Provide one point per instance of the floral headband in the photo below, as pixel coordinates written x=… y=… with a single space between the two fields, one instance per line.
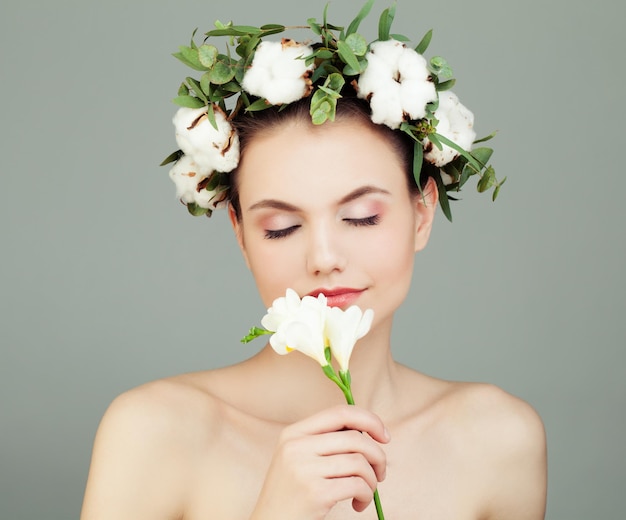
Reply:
x=405 y=92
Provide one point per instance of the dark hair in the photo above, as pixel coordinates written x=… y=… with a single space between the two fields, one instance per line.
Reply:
x=348 y=107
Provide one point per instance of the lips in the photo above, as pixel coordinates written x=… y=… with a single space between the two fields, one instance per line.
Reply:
x=339 y=296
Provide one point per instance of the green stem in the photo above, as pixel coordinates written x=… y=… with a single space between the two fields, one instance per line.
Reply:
x=343 y=382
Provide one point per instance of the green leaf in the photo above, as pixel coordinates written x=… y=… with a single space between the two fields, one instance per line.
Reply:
x=179 y=56
x=385 y=22
x=315 y=27
x=418 y=159
x=188 y=101
x=446 y=85
x=205 y=84
x=482 y=155
x=443 y=197
x=196 y=210
x=335 y=82
x=440 y=67
x=349 y=71
x=173 y=157
x=183 y=90
x=191 y=55
x=424 y=43
x=496 y=192
x=259 y=104
x=486 y=138
x=211 y=116
x=197 y=89
x=400 y=37
x=207 y=55
x=487 y=180
x=357 y=43
x=347 y=55
x=222 y=72
x=272 y=27
x=365 y=10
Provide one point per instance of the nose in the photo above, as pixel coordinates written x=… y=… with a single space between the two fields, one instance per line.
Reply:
x=325 y=252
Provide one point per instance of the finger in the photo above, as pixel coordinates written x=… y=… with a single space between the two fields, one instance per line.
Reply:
x=353 y=442
x=349 y=465
x=339 y=418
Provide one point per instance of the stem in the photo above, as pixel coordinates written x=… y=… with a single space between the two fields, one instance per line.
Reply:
x=344 y=384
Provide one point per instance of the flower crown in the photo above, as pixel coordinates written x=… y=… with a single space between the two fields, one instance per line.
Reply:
x=405 y=92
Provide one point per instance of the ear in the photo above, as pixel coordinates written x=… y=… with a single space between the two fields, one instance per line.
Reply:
x=238 y=229
x=425 y=206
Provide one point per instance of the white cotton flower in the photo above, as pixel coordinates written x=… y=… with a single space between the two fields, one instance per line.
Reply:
x=456 y=123
x=343 y=329
x=278 y=72
x=298 y=324
x=211 y=149
x=396 y=82
x=187 y=174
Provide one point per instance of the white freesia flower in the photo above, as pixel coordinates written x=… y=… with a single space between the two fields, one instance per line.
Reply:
x=278 y=72
x=456 y=123
x=343 y=329
x=211 y=149
x=396 y=82
x=186 y=174
x=298 y=324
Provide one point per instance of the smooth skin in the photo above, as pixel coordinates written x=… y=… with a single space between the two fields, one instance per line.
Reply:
x=269 y=438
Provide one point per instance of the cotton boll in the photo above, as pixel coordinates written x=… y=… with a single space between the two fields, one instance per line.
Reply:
x=456 y=123
x=396 y=82
x=186 y=175
x=210 y=148
x=278 y=72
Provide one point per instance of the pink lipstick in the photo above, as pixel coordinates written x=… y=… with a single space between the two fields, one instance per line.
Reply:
x=339 y=296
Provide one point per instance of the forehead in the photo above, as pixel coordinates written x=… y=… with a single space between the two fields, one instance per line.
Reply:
x=301 y=162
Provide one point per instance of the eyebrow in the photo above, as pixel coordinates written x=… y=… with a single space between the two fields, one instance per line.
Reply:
x=285 y=206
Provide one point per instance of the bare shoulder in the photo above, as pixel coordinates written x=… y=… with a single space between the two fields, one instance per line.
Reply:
x=503 y=439
x=144 y=449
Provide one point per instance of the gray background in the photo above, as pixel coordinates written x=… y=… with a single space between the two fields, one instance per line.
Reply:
x=106 y=282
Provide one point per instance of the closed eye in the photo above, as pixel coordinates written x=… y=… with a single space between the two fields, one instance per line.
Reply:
x=367 y=221
x=280 y=233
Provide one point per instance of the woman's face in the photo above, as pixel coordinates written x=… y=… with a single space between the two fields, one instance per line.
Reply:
x=327 y=209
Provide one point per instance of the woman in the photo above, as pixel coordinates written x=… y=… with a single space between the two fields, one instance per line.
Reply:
x=328 y=208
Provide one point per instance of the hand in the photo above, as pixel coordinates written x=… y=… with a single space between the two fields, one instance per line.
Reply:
x=329 y=457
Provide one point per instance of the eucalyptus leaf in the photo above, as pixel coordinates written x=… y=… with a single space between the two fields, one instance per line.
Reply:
x=259 y=104
x=188 y=101
x=197 y=89
x=205 y=84
x=173 y=157
x=400 y=37
x=354 y=24
x=179 y=56
x=191 y=55
x=183 y=90
x=207 y=54
x=335 y=82
x=486 y=138
x=385 y=22
x=211 y=116
x=357 y=43
x=347 y=55
x=418 y=160
x=349 y=71
x=196 y=210
x=482 y=155
x=424 y=42
x=222 y=72
x=487 y=180
x=444 y=202
x=446 y=85
x=496 y=192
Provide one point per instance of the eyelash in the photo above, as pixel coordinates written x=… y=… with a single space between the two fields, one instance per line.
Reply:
x=272 y=234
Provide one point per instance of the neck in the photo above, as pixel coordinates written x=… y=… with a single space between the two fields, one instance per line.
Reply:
x=293 y=386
